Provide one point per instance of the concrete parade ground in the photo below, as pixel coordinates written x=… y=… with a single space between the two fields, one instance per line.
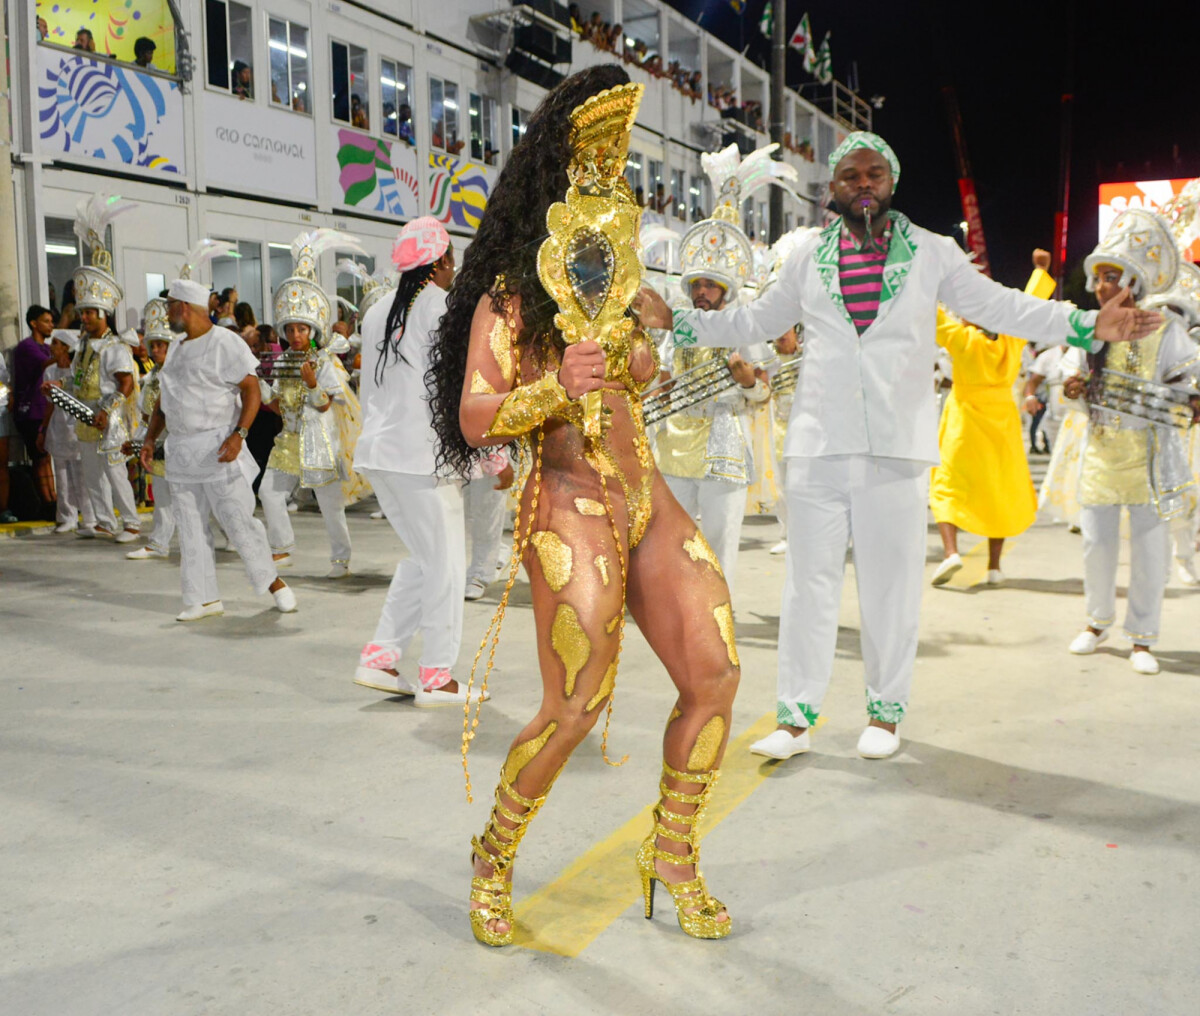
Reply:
x=211 y=818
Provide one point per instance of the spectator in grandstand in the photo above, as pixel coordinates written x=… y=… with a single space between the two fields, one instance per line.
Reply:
x=143 y=52
x=243 y=80
x=84 y=41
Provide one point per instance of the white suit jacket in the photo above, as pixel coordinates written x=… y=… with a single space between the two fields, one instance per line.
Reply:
x=873 y=394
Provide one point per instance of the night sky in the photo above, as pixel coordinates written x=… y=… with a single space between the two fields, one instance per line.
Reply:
x=1008 y=64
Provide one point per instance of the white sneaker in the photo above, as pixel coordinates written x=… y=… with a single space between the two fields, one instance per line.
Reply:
x=995 y=577
x=475 y=590
x=441 y=697
x=1143 y=661
x=285 y=600
x=779 y=548
x=145 y=554
x=126 y=536
x=780 y=744
x=292 y=507
x=339 y=570
x=946 y=570
x=214 y=609
x=65 y=527
x=1186 y=571
x=283 y=562
x=878 y=743
x=381 y=680
x=1086 y=641
x=86 y=532
x=376 y=515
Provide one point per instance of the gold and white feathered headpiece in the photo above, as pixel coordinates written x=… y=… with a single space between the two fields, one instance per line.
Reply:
x=1183 y=216
x=718 y=247
x=299 y=298
x=95 y=285
x=374 y=287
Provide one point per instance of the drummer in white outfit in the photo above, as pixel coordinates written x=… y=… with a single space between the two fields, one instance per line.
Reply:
x=209 y=396
x=397 y=453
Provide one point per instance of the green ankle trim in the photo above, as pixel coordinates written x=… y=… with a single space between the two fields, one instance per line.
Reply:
x=798 y=715
x=885 y=712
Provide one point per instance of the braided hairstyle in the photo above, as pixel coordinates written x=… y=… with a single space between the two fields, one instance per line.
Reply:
x=506 y=243
x=411 y=284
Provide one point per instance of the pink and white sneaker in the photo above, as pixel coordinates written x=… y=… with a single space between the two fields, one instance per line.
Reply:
x=372 y=671
x=433 y=689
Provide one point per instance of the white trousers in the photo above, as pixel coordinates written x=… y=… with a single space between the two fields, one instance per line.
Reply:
x=108 y=485
x=426 y=593
x=164 y=515
x=274 y=491
x=880 y=505
x=1149 y=563
x=720 y=507
x=231 y=500
x=73 y=500
x=485 y=508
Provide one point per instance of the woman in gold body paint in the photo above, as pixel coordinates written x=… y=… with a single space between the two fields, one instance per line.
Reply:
x=598 y=531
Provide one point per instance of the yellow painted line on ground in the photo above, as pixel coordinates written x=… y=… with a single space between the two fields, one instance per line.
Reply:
x=975 y=567
x=567 y=915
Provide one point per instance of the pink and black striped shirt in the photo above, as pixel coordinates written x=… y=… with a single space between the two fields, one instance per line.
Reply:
x=860 y=273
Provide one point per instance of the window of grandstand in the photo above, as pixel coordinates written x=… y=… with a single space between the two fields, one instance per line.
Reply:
x=395 y=80
x=700 y=194
x=348 y=66
x=633 y=173
x=288 y=46
x=140 y=32
x=64 y=253
x=280 y=255
x=520 y=119
x=443 y=116
x=482 y=111
x=230 y=53
x=243 y=274
x=679 y=205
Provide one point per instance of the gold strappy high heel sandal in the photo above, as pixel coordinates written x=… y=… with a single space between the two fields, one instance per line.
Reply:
x=696 y=910
x=495 y=893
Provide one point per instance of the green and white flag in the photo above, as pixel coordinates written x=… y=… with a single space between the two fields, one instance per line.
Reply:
x=766 y=23
x=802 y=41
x=823 y=67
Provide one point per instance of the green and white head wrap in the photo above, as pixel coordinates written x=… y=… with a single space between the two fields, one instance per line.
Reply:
x=865 y=139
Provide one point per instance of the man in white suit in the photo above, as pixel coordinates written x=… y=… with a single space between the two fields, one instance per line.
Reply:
x=863 y=431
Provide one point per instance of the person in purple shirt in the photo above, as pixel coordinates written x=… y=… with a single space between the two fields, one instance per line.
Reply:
x=30 y=358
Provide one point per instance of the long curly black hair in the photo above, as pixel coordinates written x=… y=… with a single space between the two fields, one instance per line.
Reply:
x=506 y=243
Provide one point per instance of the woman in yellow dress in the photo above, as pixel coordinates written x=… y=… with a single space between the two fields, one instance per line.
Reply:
x=982 y=484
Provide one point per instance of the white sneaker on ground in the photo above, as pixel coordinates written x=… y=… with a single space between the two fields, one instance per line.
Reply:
x=779 y=548
x=781 y=744
x=285 y=600
x=878 y=743
x=86 y=532
x=292 y=507
x=381 y=680
x=1086 y=641
x=1185 y=569
x=283 y=562
x=946 y=570
x=475 y=590
x=995 y=577
x=126 y=536
x=1143 y=661
x=214 y=609
x=146 y=554
x=65 y=527
x=339 y=570
x=376 y=515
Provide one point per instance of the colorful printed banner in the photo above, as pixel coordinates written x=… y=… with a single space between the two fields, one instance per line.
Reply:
x=115 y=26
x=376 y=175
x=100 y=110
x=1151 y=194
x=458 y=190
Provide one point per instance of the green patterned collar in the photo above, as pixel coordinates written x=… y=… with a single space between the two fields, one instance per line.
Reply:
x=901 y=250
